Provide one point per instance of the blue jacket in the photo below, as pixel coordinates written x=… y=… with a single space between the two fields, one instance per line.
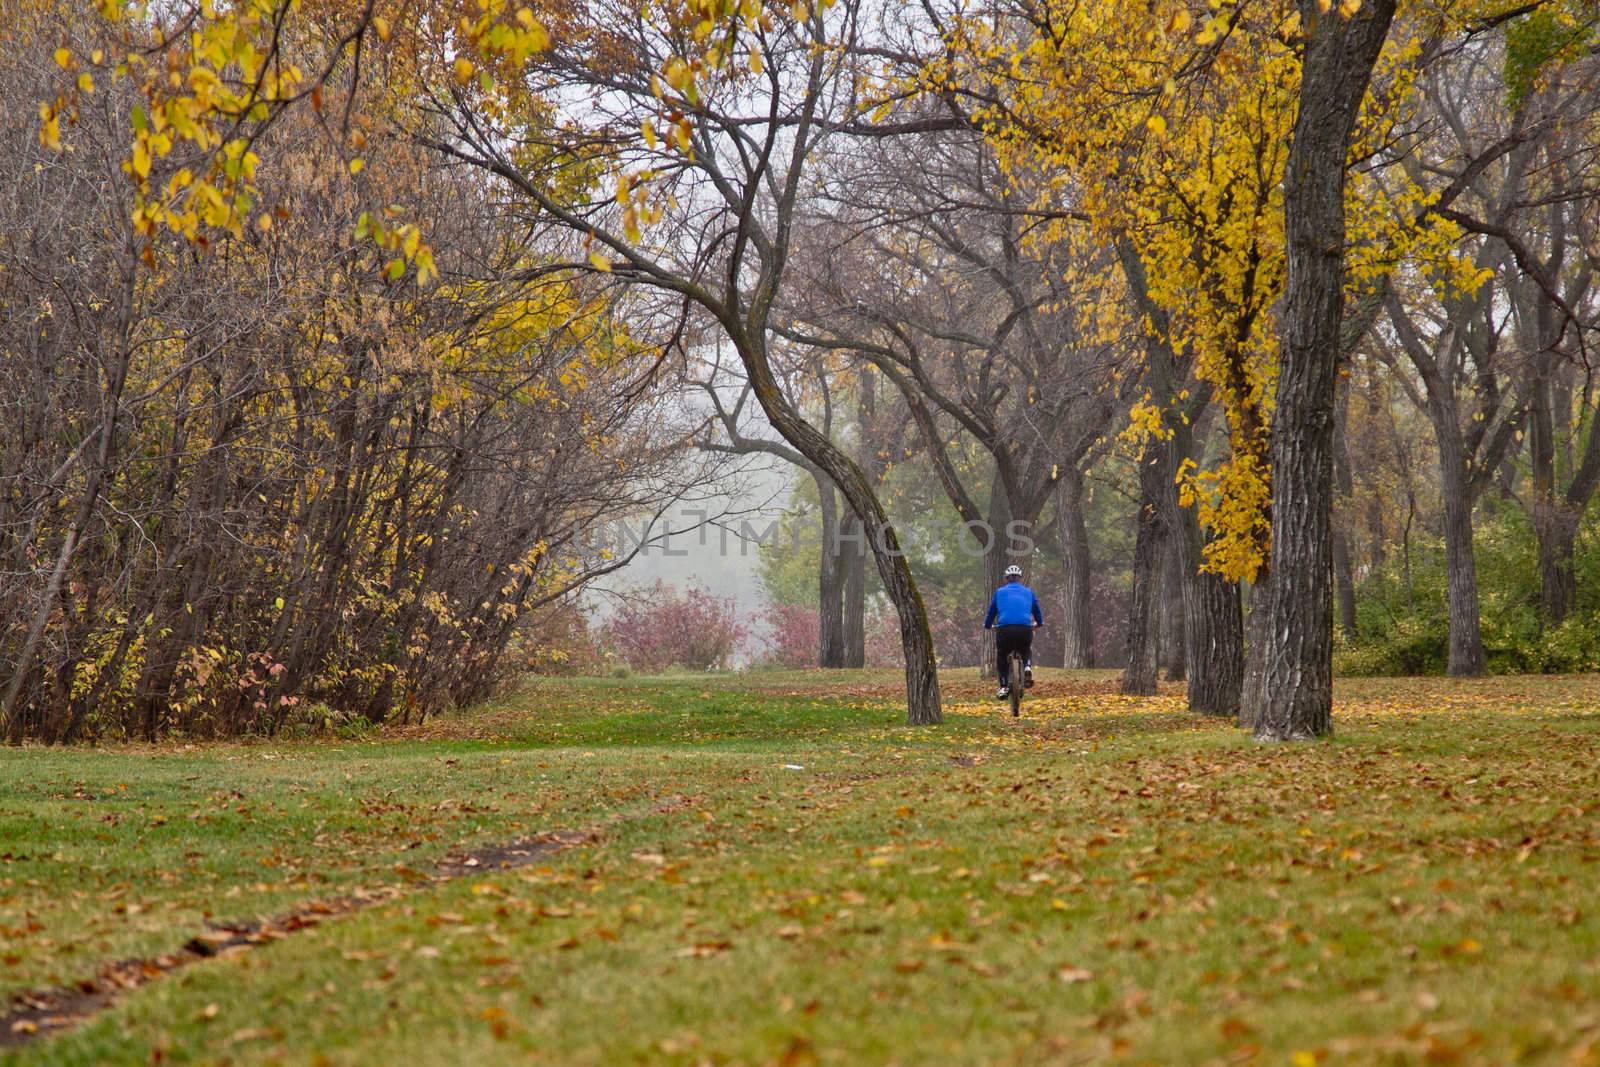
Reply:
x=1013 y=604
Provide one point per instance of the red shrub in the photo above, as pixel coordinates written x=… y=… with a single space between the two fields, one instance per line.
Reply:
x=664 y=628
x=794 y=633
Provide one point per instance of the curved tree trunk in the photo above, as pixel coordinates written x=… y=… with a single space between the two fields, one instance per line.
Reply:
x=1296 y=697
x=916 y=638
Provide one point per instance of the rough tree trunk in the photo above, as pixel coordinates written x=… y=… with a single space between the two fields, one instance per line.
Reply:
x=1343 y=573
x=1076 y=620
x=1255 y=652
x=995 y=561
x=1174 y=614
x=1466 y=640
x=1139 y=676
x=1557 y=529
x=1296 y=696
x=1211 y=609
x=1345 y=581
x=916 y=638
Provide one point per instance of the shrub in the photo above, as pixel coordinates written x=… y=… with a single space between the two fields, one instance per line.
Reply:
x=663 y=628
x=794 y=633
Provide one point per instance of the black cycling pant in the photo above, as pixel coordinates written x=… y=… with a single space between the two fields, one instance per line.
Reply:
x=1009 y=639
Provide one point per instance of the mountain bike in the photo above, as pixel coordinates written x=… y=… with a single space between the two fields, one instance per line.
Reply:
x=1016 y=671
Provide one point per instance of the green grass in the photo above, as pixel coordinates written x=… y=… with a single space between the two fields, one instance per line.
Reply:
x=1106 y=877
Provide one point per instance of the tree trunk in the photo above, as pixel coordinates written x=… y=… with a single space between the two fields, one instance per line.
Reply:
x=1296 y=697
x=830 y=581
x=1255 y=653
x=1345 y=581
x=1557 y=528
x=854 y=561
x=1344 y=477
x=1556 y=515
x=1139 y=676
x=995 y=562
x=916 y=638
x=1466 y=640
x=1076 y=620
x=1174 y=612
x=1216 y=675
x=1213 y=623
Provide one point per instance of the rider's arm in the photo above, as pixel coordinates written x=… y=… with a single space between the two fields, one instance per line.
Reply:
x=1038 y=616
x=994 y=612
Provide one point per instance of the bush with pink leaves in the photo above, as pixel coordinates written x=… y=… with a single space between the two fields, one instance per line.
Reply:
x=793 y=635
x=665 y=628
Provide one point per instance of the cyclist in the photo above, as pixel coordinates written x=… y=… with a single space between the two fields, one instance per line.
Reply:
x=1013 y=615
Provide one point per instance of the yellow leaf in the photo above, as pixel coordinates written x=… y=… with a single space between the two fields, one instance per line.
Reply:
x=356 y=165
x=463 y=70
x=600 y=262
x=63 y=58
x=50 y=130
x=86 y=82
x=1157 y=125
x=381 y=24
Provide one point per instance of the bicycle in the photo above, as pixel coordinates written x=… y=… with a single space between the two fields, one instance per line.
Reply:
x=1016 y=670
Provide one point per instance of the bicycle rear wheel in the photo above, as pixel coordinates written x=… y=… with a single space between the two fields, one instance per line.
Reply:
x=1017 y=679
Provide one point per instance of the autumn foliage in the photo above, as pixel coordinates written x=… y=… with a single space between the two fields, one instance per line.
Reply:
x=660 y=627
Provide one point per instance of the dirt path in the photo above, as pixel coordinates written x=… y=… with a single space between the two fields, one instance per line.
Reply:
x=37 y=1014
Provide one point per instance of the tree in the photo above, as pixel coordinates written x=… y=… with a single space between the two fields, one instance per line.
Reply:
x=1296 y=700
x=922 y=263
x=716 y=188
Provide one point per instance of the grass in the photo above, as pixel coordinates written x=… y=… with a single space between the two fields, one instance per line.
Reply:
x=782 y=873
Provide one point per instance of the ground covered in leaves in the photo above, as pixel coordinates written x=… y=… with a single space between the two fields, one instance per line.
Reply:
x=770 y=869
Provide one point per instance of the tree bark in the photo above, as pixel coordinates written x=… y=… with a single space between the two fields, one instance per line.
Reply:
x=916 y=638
x=1345 y=581
x=995 y=562
x=1296 y=697
x=1255 y=659
x=854 y=561
x=1466 y=639
x=1174 y=613
x=1343 y=573
x=1076 y=619
x=830 y=582
x=1216 y=675
x=1557 y=529
x=1139 y=676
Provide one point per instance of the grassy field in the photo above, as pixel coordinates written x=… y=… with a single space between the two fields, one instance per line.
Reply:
x=773 y=870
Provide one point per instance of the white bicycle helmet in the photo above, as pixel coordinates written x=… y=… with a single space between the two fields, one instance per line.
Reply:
x=1013 y=571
